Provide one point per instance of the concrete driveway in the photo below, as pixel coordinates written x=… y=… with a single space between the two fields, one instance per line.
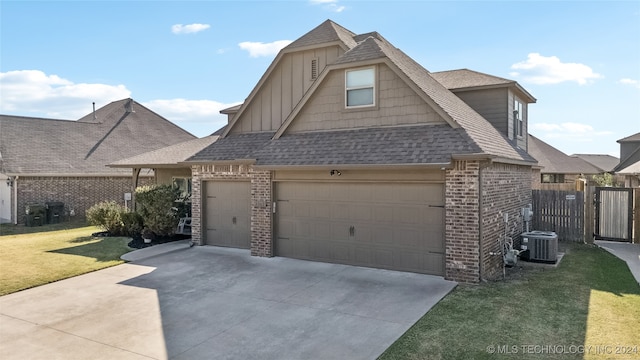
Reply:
x=217 y=303
x=629 y=253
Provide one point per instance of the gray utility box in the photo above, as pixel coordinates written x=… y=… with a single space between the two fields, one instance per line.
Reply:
x=542 y=246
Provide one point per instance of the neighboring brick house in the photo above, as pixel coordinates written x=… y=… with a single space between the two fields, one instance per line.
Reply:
x=629 y=165
x=349 y=151
x=59 y=160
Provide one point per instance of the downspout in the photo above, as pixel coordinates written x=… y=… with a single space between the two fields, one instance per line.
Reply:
x=15 y=200
x=480 y=219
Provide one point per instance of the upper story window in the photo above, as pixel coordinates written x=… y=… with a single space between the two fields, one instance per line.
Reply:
x=360 y=87
x=518 y=117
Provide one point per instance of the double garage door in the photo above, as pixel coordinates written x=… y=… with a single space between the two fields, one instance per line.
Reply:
x=398 y=226
x=384 y=225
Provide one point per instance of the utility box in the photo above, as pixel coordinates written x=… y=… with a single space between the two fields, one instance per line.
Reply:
x=55 y=211
x=36 y=215
x=542 y=246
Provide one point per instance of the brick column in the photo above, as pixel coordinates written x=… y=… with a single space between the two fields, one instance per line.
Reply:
x=196 y=205
x=261 y=214
x=462 y=225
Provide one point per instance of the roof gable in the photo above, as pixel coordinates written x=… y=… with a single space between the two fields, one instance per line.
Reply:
x=327 y=32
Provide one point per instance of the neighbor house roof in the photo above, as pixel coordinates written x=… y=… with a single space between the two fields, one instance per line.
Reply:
x=169 y=156
x=605 y=163
x=480 y=136
x=633 y=169
x=554 y=161
x=465 y=79
x=631 y=158
x=37 y=146
x=634 y=137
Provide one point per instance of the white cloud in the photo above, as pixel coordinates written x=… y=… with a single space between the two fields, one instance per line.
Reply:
x=258 y=49
x=189 y=29
x=330 y=5
x=568 y=131
x=632 y=82
x=542 y=70
x=200 y=117
x=34 y=92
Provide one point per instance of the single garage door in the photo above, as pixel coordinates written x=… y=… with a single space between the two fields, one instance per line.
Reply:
x=227 y=213
x=398 y=226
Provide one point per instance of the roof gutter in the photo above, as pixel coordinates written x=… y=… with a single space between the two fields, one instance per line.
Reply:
x=439 y=166
x=219 y=162
x=68 y=175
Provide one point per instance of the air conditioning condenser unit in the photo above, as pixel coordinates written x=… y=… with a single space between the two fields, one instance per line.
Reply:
x=542 y=246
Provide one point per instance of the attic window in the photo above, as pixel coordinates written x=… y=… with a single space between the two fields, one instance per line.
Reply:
x=359 y=89
x=314 y=69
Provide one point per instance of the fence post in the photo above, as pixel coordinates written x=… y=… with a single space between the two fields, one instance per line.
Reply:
x=589 y=214
x=636 y=215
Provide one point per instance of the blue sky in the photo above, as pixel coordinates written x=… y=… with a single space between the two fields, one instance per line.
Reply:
x=187 y=60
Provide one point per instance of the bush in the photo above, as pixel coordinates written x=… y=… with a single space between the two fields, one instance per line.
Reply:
x=107 y=216
x=157 y=206
x=131 y=223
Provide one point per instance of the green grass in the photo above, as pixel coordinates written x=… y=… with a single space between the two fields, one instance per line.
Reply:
x=591 y=299
x=57 y=252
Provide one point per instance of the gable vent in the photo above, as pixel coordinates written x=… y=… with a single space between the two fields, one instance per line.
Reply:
x=314 y=69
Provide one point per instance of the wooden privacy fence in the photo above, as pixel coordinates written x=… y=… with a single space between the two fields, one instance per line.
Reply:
x=560 y=211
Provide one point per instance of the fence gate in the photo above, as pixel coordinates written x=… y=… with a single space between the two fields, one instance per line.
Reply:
x=559 y=211
x=614 y=214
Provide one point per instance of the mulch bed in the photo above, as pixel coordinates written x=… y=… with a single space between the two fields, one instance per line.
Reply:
x=138 y=243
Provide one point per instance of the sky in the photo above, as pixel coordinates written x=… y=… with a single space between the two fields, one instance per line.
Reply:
x=187 y=60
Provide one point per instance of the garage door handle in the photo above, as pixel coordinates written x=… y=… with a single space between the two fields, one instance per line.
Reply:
x=233 y=220
x=352 y=231
x=438 y=206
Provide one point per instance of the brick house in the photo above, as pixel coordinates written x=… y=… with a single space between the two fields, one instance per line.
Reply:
x=349 y=151
x=60 y=160
x=629 y=166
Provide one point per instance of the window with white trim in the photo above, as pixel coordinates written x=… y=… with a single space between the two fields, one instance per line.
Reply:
x=360 y=87
x=518 y=116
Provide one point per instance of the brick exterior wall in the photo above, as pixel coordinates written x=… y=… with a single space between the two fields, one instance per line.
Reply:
x=261 y=215
x=77 y=193
x=462 y=222
x=506 y=189
x=536 y=179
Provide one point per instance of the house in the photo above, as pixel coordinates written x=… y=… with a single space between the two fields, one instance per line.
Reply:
x=629 y=165
x=603 y=162
x=349 y=151
x=59 y=160
x=558 y=168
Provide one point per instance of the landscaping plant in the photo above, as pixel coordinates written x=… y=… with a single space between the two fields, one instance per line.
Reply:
x=157 y=206
x=107 y=215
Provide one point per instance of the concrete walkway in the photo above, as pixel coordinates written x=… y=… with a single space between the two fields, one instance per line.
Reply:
x=216 y=303
x=630 y=253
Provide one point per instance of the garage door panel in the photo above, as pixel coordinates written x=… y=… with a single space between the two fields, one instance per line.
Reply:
x=227 y=213
x=383 y=225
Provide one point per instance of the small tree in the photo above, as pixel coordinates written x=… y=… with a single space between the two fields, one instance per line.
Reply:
x=157 y=206
x=108 y=216
x=604 y=179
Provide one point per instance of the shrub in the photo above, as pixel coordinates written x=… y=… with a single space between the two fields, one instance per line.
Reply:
x=107 y=216
x=157 y=206
x=131 y=223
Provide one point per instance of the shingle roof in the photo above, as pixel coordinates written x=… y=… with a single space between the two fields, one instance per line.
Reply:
x=46 y=146
x=634 y=137
x=326 y=32
x=233 y=147
x=465 y=78
x=605 y=163
x=633 y=169
x=421 y=144
x=171 y=155
x=555 y=161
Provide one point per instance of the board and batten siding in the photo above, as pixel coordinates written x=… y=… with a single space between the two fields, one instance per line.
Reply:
x=283 y=89
x=396 y=104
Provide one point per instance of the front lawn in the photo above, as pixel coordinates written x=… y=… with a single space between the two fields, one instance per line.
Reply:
x=35 y=258
x=588 y=307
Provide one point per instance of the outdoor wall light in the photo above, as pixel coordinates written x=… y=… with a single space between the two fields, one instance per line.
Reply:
x=335 y=172
x=9 y=182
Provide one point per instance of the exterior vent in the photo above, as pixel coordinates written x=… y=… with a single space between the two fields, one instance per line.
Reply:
x=129 y=106
x=542 y=246
x=314 y=69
